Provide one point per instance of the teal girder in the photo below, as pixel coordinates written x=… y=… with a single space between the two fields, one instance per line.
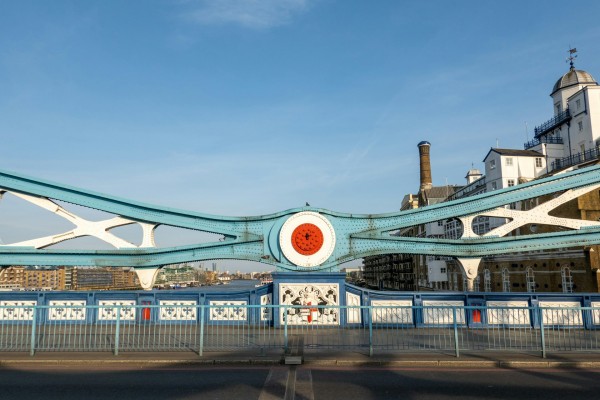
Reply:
x=257 y=238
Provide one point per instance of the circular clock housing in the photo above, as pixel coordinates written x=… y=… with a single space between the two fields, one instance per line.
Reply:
x=307 y=239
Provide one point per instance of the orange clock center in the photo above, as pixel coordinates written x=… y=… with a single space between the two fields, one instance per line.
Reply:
x=307 y=239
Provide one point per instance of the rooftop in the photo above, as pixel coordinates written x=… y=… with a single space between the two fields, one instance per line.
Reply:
x=572 y=78
x=514 y=152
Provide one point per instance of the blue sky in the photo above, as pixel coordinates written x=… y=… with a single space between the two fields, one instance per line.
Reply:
x=253 y=106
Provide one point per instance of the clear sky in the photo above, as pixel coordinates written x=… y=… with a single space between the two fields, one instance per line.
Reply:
x=247 y=107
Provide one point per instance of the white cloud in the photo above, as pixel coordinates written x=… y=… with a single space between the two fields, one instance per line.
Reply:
x=255 y=14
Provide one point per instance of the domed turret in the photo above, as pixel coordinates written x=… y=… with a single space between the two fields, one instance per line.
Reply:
x=569 y=84
x=574 y=77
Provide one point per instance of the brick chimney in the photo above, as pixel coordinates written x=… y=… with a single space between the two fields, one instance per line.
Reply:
x=425 y=165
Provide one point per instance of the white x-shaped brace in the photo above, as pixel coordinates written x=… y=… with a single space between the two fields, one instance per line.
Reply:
x=84 y=227
x=97 y=229
x=537 y=215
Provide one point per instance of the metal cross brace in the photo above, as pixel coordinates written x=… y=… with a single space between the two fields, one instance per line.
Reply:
x=259 y=238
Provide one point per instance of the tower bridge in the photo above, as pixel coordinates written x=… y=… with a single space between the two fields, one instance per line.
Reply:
x=305 y=239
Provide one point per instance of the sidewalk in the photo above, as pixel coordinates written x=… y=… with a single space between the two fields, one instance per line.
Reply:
x=492 y=359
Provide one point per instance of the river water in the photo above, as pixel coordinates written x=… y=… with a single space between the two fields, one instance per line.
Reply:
x=233 y=286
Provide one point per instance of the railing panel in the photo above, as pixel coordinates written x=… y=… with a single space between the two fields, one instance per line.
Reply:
x=391 y=327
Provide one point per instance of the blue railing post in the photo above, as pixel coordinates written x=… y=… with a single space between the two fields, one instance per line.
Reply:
x=370 y=315
x=285 y=326
x=117 y=329
x=542 y=337
x=455 y=332
x=201 y=339
x=33 y=330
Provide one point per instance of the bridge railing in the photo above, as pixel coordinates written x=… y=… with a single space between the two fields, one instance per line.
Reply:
x=260 y=328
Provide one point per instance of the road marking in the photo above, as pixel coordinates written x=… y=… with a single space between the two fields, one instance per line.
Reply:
x=275 y=387
x=288 y=384
x=290 y=387
x=304 y=386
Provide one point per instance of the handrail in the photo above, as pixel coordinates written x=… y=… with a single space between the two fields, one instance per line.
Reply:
x=574 y=159
x=545 y=139
x=552 y=123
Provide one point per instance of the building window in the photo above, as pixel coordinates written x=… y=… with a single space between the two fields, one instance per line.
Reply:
x=580 y=125
x=511 y=182
x=578 y=103
x=442 y=270
x=538 y=162
x=440 y=223
x=558 y=108
x=494 y=187
x=509 y=161
x=492 y=164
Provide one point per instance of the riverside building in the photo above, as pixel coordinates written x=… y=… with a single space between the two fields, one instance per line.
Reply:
x=570 y=139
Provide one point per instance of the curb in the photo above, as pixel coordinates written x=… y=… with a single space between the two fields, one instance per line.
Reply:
x=199 y=362
x=509 y=364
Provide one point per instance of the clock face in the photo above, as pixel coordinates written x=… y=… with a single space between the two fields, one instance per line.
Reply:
x=307 y=239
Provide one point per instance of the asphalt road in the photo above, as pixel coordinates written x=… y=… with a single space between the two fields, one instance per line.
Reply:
x=133 y=381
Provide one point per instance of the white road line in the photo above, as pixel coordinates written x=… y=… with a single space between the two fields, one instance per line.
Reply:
x=275 y=386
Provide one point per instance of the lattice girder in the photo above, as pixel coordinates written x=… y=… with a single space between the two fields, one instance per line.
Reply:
x=258 y=238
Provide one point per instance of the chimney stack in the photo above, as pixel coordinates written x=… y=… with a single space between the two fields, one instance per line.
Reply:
x=425 y=164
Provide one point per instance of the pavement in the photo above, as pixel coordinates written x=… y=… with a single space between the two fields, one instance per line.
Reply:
x=491 y=359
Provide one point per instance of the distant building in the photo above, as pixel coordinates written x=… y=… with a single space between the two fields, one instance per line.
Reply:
x=69 y=278
x=177 y=275
x=103 y=278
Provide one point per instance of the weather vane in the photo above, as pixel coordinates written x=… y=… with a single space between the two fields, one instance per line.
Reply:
x=572 y=57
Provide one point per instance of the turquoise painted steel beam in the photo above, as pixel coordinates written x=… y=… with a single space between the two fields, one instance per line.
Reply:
x=255 y=225
x=152 y=257
x=257 y=238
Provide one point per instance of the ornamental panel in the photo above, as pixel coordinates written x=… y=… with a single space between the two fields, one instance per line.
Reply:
x=440 y=312
x=108 y=310
x=17 y=310
x=266 y=313
x=596 y=312
x=314 y=299
x=562 y=313
x=67 y=310
x=353 y=311
x=229 y=310
x=401 y=313
x=178 y=310
x=508 y=313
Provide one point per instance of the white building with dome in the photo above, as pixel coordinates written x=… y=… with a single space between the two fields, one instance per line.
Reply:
x=572 y=135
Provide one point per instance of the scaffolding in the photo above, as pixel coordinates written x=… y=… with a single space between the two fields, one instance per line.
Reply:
x=567 y=280
x=505 y=280
x=487 y=280
x=530 y=280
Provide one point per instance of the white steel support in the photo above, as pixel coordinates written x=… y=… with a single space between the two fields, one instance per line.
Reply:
x=537 y=215
x=147 y=276
x=469 y=268
x=540 y=214
x=97 y=229
x=84 y=227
